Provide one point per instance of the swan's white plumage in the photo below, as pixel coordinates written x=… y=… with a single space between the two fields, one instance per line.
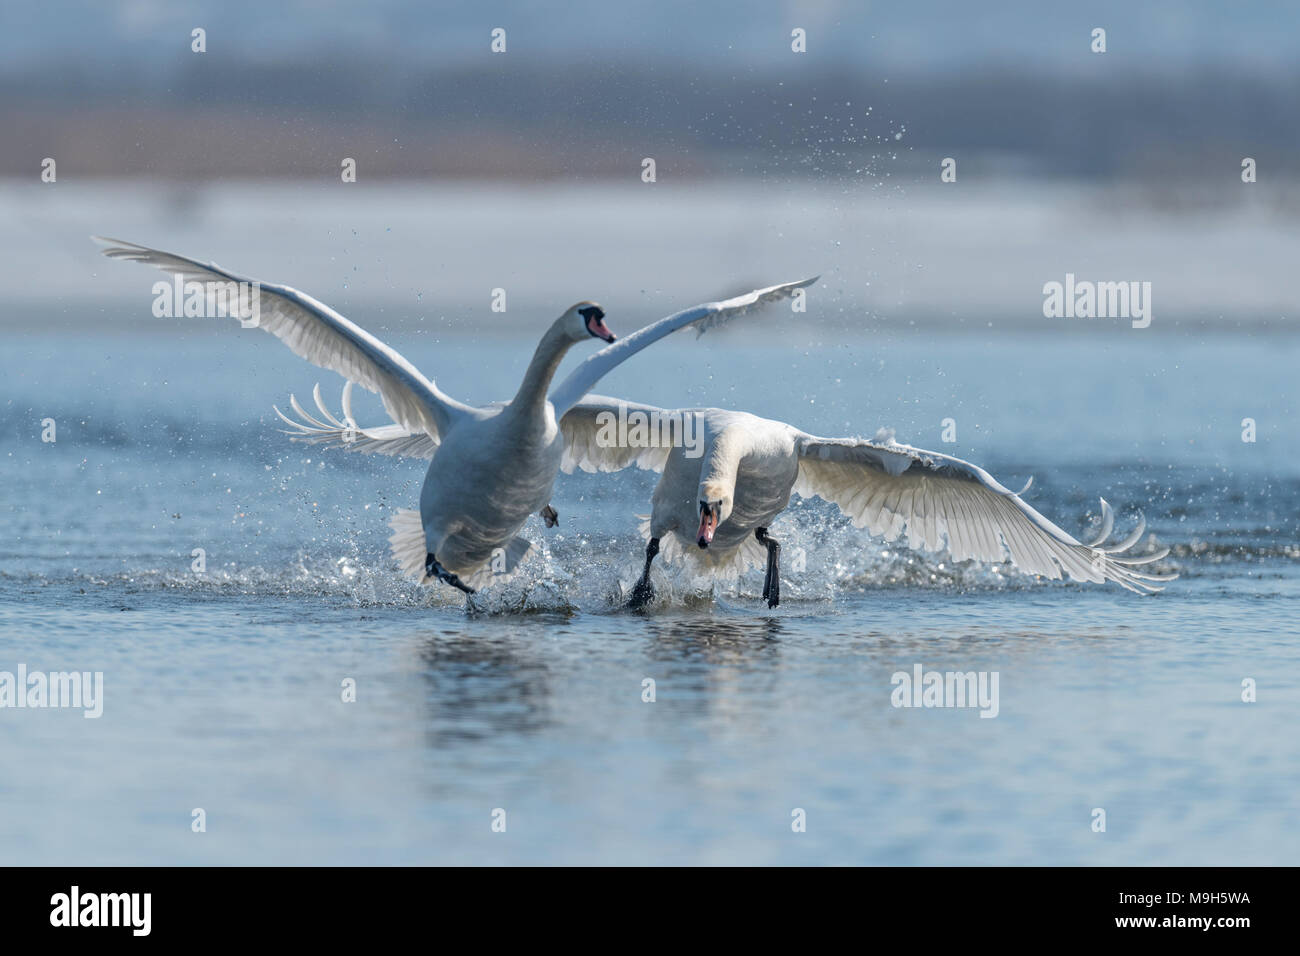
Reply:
x=492 y=465
x=583 y=451
x=407 y=546
x=938 y=500
x=721 y=563
x=703 y=317
x=584 y=448
x=315 y=332
x=348 y=435
x=891 y=489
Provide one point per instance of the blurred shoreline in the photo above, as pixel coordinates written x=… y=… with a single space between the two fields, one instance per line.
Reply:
x=524 y=117
x=427 y=255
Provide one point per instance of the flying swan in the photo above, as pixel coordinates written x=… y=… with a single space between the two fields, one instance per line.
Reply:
x=495 y=464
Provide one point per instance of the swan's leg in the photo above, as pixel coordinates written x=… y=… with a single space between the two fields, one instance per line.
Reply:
x=550 y=516
x=761 y=535
x=771 y=580
x=436 y=570
x=644 y=591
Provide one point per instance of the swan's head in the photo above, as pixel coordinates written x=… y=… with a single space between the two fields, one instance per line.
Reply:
x=715 y=508
x=584 y=319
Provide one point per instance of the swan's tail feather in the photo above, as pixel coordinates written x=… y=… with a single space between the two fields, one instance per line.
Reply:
x=407 y=542
x=409 y=551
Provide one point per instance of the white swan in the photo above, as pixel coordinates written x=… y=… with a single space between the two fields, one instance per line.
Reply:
x=724 y=500
x=494 y=465
x=715 y=509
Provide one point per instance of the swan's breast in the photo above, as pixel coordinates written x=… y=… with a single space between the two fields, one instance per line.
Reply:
x=492 y=473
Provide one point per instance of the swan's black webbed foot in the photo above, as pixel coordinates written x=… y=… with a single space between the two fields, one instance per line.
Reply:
x=550 y=516
x=435 y=570
x=644 y=592
x=772 y=580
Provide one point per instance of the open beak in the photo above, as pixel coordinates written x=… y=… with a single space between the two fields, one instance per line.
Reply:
x=708 y=524
x=597 y=327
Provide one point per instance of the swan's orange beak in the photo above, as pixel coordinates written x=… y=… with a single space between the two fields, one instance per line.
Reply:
x=708 y=524
x=597 y=327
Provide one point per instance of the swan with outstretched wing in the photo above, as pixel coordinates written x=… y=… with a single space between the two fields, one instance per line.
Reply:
x=715 y=509
x=492 y=465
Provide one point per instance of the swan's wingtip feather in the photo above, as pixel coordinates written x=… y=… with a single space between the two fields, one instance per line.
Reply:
x=347 y=401
x=119 y=248
x=285 y=418
x=1107 y=525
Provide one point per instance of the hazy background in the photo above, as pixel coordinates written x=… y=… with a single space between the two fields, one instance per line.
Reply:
x=522 y=170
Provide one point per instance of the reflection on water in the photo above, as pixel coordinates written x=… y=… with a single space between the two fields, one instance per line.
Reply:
x=483 y=687
x=222 y=688
x=699 y=663
x=713 y=639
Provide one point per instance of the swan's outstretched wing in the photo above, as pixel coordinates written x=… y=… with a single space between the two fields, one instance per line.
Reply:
x=348 y=435
x=593 y=440
x=886 y=487
x=314 y=331
x=584 y=378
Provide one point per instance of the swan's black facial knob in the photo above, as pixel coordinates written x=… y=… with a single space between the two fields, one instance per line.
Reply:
x=708 y=524
x=594 y=316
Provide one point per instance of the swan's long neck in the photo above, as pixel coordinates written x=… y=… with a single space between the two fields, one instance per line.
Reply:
x=531 y=396
x=722 y=462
